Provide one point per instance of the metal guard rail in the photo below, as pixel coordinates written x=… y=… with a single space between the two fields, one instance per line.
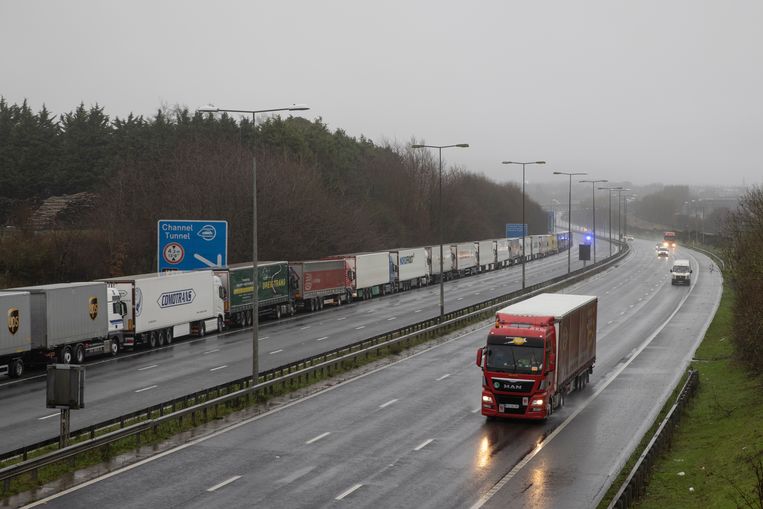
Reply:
x=323 y=362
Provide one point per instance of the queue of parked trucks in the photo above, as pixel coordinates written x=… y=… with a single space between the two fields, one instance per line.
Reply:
x=68 y=322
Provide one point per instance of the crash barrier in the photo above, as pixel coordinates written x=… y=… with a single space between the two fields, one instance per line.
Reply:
x=634 y=486
x=718 y=260
x=242 y=391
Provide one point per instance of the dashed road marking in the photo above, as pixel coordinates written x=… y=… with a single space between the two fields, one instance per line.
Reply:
x=147 y=367
x=224 y=483
x=276 y=351
x=147 y=388
x=423 y=444
x=443 y=377
x=219 y=367
x=47 y=417
x=388 y=403
x=211 y=351
x=347 y=492
x=361 y=327
x=321 y=339
x=315 y=439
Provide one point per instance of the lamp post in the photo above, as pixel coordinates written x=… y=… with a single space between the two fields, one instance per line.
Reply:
x=523 y=212
x=569 y=213
x=255 y=303
x=442 y=276
x=625 y=222
x=593 y=206
x=609 y=224
x=619 y=217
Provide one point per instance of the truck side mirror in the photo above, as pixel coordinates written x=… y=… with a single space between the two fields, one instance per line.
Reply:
x=479 y=357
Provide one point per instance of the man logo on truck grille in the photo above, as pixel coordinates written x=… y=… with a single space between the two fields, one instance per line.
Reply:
x=13 y=320
x=93 y=307
x=178 y=298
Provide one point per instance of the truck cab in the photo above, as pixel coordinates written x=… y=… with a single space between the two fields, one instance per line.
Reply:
x=518 y=370
x=681 y=272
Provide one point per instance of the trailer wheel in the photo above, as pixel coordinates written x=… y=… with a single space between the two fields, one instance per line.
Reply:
x=65 y=355
x=169 y=336
x=320 y=303
x=152 y=339
x=160 y=338
x=220 y=324
x=114 y=347
x=79 y=354
x=248 y=317
x=17 y=368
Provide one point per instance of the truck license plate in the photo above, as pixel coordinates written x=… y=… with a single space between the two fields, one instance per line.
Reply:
x=508 y=406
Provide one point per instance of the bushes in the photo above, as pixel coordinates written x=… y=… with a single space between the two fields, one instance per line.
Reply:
x=745 y=255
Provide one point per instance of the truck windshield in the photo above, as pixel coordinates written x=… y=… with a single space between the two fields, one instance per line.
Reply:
x=515 y=359
x=681 y=269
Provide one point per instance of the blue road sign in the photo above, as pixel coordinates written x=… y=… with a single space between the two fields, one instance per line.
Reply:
x=514 y=230
x=188 y=244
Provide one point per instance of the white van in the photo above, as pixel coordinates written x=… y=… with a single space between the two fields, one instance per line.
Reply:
x=681 y=272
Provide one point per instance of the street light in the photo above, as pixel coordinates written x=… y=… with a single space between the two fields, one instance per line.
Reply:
x=593 y=206
x=625 y=221
x=619 y=217
x=569 y=213
x=255 y=301
x=442 y=276
x=524 y=242
x=610 y=189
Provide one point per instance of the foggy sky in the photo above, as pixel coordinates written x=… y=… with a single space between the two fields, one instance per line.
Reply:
x=645 y=91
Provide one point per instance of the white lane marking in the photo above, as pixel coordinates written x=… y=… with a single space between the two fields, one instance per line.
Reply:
x=460 y=298
x=345 y=493
x=263 y=339
x=423 y=444
x=224 y=483
x=476 y=410
x=343 y=318
x=418 y=311
x=630 y=306
x=219 y=367
x=240 y=424
x=276 y=351
x=391 y=318
x=315 y=439
x=147 y=388
x=361 y=327
x=211 y=351
x=47 y=417
x=622 y=313
x=609 y=322
x=148 y=367
x=388 y=403
x=321 y=339
x=305 y=327
x=443 y=377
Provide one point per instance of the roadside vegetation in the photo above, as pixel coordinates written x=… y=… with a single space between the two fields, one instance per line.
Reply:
x=318 y=192
x=716 y=459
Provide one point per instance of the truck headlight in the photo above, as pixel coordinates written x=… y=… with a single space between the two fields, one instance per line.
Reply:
x=486 y=399
x=537 y=402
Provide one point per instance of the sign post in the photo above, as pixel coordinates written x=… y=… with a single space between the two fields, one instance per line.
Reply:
x=66 y=391
x=190 y=244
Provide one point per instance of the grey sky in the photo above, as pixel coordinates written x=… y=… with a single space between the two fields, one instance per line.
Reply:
x=646 y=91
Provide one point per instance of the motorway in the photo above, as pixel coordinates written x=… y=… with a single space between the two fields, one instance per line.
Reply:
x=116 y=386
x=410 y=434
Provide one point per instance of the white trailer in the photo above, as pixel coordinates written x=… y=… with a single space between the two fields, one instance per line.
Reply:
x=16 y=336
x=502 y=252
x=465 y=255
x=161 y=307
x=73 y=320
x=486 y=252
x=411 y=267
x=370 y=274
x=515 y=250
x=448 y=266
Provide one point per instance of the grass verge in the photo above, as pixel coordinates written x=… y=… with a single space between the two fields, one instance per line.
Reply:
x=717 y=455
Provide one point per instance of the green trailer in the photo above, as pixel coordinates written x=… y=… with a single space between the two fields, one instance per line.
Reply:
x=273 y=291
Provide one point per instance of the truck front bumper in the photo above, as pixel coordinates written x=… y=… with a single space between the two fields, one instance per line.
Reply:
x=516 y=407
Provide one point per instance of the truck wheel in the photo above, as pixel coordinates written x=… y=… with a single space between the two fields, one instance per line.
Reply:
x=114 y=347
x=220 y=324
x=66 y=355
x=249 y=318
x=79 y=354
x=17 y=368
x=169 y=336
x=160 y=338
x=152 y=339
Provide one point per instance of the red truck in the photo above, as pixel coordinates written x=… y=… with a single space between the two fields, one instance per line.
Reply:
x=316 y=281
x=538 y=351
